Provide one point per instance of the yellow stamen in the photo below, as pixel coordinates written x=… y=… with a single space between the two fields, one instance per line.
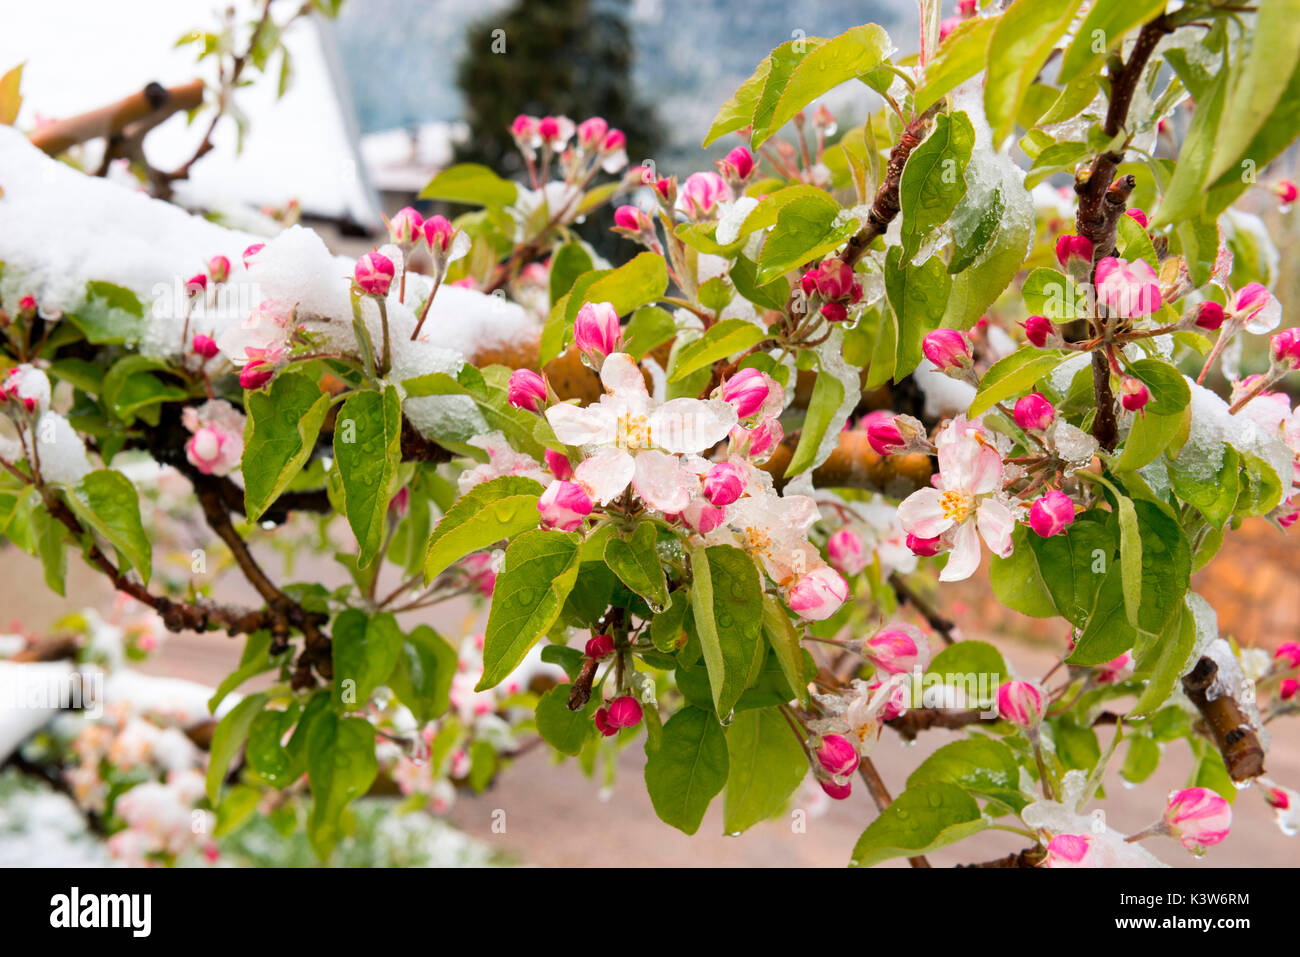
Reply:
x=955 y=505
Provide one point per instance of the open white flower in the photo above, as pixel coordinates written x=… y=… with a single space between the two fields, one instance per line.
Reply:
x=964 y=505
x=627 y=437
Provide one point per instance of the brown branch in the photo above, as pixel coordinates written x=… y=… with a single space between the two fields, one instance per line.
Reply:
x=150 y=106
x=1228 y=726
x=1029 y=857
x=912 y=722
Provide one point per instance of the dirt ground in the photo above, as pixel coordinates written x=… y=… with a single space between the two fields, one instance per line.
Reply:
x=554 y=816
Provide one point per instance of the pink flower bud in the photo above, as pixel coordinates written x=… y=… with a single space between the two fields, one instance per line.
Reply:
x=1022 y=703
x=1286 y=348
x=599 y=647
x=897 y=649
x=1116 y=670
x=400 y=503
x=1051 y=514
x=438 y=233
x=629 y=218
x=219 y=268
x=836 y=754
x=1038 y=330
x=834 y=279
x=818 y=594
x=947 y=349
x=564 y=505
x=256 y=374
x=524 y=127
x=1133 y=394
x=602 y=723
x=1209 y=315
x=1067 y=850
x=1278 y=799
x=884 y=436
x=924 y=547
x=559 y=465
x=591 y=132
x=848 y=553
x=1137 y=216
x=1288 y=688
x=967 y=8
x=703 y=518
x=406 y=227
x=764 y=438
x=835 y=311
x=741 y=162
x=596 y=329
x=724 y=483
x=374 y=274
x=1073 y=247
x=205 y=346
x=666 y=187
x=197 y=283
x=808 y=281
x=746 y=391
x=701 y=194
x=1034 y=412
x=526 y=390
x=837 y=791
x=1286 y=191
x=1288 y=654
x=625 y=712
x=252 y=251
x=615 y=140
x=1197 y=817
x=1254 y=306
x=1128 y=289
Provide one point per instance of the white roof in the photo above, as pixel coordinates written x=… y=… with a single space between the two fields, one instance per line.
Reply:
x=83 y=54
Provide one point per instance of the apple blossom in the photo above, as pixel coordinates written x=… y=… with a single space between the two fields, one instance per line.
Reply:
x=564 y=505
x=1255 y=308
x=555 y=132
x=624 y=712
x=897 y=649
x=603 y=725
x=848 y=553
x=1116 y=670
x=1023 y=703
x=262 y=338
x=1034 y=412
x=631 y=219
x=724 y=483
x=818 y=594
x=947 y=349
x=1073 y=248
x=837 y=755
x=558 y=464
x=1137 y=215
x=252 y=251
x=701 y=194
x=591 y=132
x=374 y=274
x=29 y=386
x=1197 y=817
x=596 y=331
x=884 y=437
x=599 y=647
x=628 y=438
x=256 y=374
x=963 y=506
x=1287 y=654
x=837 y=791
x=1129 y=290
x=613 y=151
x=1286 y=191
x=1288 y=689
x=205 y=346
x=526 y=390
x=924 y=547
x=1133 y=394
x=406 y=227
x=748 y=391
x=738 y=165
x=1286 y=348
x=1209 y=315
x=219 y=268
x=1069 y=850
x=216 y=443
x=1051 y=514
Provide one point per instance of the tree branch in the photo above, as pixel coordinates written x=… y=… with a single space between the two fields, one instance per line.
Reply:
x=1230 y=729
x=150 y=106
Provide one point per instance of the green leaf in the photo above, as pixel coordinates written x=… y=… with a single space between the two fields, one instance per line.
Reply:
x=1014 y=374
x=723 y=339
x=539 y=572
x=727 y=604
x=962 y=54
x=254 y=661
x=1141 y=760
x=766 y=763
x=490 y=512
x=744 y=275
x=49 y=534
x=471 y=183
x=1261 y=489
x=806 y=229
x=637 y=564
x=784 y=639
x=649 y=328
x=1074 y=564
x=667 y=629
x=110 y=314
x=106 y=501
x=367 y=450
x=777 y=66
x=1165 y=662
x=1022 y=40
x=851 y=54
x=284 y=423
x=365 y=651
x=688 y=769
x=228 y=738
x=569 y=262
x=921 y=820
x=1184 y=197
x=964 y=662
x=1130 y=557
x=566 y=731
x=422 y=677
x=639 y=281
x=1170 y=393
x=1149 y=436
x=1050 y=293
x=1214 y=495
x=918 y=296
x=1017 y=581
x=1255 y=91
x=1108 y=21
x=341 y=766
x=934 y=179
x=982 y=765
x=827 y=396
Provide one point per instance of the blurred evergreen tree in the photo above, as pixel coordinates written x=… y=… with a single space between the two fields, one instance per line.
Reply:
x=562 y=57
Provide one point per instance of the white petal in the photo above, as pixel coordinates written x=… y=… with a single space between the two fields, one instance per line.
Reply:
x=619 y=373
x=689 y=425
x=920 y=514
x=996 y=523
x=965 y=555
x=606 y=473
x=661 y=482
x=575 y=426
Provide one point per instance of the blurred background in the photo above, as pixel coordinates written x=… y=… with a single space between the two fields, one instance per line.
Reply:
x=372 y=106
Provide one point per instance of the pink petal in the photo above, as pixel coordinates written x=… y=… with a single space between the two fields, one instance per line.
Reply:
x=661 y=482
x=921 y=515
x=996 y=523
